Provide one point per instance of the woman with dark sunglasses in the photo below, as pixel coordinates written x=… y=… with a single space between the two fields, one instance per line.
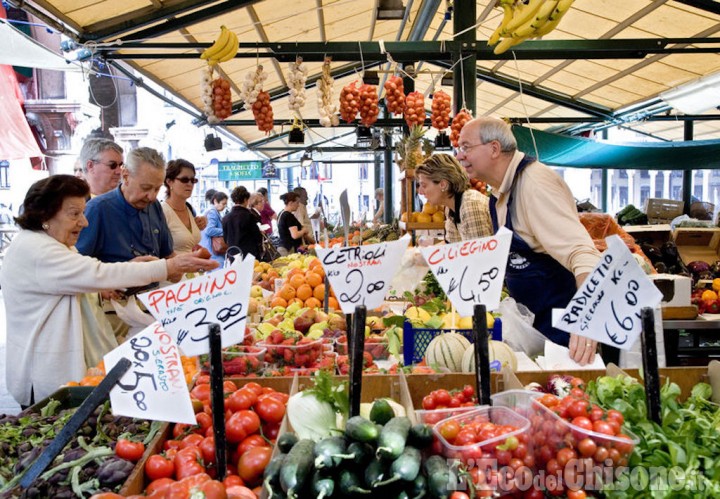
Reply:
x=184 y=226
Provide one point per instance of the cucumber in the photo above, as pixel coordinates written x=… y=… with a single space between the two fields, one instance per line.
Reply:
x=381 y=412
x=438 y=476
x=330 y=452
x=286 y=441
x=297 y=467
x=361 y=453
x=271 y=475
x=360 y=429
x=375 y=472
x=322 y=485
x=420 y=436
x=418 y=487
x=406 y=467
x=349 y=484
x=392 y=438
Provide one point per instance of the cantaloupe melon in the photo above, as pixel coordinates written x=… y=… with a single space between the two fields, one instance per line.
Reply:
x=446 y=350
x=497 y=350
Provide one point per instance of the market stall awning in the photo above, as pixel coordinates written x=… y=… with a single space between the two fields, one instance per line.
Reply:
x=16 y=139
x=562 y=150
x=18 y=49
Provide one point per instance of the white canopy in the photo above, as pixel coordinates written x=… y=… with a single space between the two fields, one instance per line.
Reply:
x=18 y=49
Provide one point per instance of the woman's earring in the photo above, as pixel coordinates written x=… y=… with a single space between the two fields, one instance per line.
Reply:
x=45 y=226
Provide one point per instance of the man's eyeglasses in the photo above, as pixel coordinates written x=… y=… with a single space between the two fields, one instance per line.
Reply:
x=465 y=148
x=185 y=180
x=110 y=164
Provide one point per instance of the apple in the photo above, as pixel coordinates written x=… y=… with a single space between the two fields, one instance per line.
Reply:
x=201 y=251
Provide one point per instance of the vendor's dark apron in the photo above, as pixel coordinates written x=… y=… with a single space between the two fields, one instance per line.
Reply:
x=536 y=280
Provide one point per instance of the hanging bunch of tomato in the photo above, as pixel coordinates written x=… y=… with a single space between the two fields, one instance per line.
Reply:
x=414 y=109
x=222 y=98
x=395 y=95
x=369 y=109
x=263 y=112
x=462 y=117
x=440 y=116
x=349 y=102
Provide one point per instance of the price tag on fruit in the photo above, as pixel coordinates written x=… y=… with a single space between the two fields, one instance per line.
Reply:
x=361 y=275
x=471 y=272
x=154 y=387
x=607 y=306
x=187 y=309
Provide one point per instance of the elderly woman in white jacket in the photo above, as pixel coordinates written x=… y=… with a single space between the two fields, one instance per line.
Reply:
x=42 y=278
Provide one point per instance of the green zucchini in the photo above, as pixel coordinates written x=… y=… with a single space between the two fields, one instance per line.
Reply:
x=381 y=412
x=406 y=467
x=360 y=429
x=438 y=476
x=375 y=472
x=349 y=484
x=392 y=438
x=418 y=487
x=322 y=485
x=286 y=441
x=330 y=452
x=271 y=475
x=361 y=453
x=297 y=467
x=420 y=436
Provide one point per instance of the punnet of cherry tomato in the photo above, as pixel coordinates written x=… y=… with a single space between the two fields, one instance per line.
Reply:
x=253 y=414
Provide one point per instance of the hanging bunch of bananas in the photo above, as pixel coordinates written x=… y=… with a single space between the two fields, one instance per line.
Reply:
x=523 y=19
x=223 y=49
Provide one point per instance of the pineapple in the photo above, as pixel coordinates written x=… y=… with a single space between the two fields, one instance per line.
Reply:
x=411 y=148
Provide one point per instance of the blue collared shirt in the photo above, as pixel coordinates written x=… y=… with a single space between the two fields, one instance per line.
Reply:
x=118 y=232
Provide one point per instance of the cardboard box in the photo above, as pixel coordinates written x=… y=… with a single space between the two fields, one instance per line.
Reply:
x=695 y=243
x=657 y=235
x=676 y=289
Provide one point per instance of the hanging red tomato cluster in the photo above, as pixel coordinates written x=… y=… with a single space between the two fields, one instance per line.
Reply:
x=440 y=116
x=263 y=112
x=222 y=98
x=349 y=102
x=369 y=109
x=395 y=95
x=462 y=117
x=414 y=109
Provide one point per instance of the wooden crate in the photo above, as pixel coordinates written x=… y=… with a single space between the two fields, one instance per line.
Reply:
x=662 y=211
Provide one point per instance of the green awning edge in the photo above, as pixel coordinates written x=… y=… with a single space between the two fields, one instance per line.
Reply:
x=579 y=152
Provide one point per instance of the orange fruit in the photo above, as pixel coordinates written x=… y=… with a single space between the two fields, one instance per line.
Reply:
x=272 y=274
x=297 y=280
x=278 y=302
x=319 y=270
x=314 y=263
x=319 y=292
x=313 y=302
x=296 y=300
x=287 y=292
x=303 y=292
x=293 y=272
x=312 y=279
x=333 y=304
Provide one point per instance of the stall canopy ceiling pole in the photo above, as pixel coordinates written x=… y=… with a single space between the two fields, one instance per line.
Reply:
x=688 y=131
x=465 y=88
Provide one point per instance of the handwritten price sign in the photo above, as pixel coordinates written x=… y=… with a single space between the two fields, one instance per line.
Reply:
x=187 y=308
x=607 y=306
x=360 y=275
x=471 y=272
x=154 y=387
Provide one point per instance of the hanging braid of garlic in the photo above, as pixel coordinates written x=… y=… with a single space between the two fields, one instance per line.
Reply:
x=296 y=82
x=326 y=106
x=252 y=86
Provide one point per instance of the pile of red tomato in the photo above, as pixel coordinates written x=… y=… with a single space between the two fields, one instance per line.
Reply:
x=252 y=420
x=446 y=399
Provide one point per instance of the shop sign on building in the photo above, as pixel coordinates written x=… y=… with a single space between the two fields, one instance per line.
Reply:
x=245 y=170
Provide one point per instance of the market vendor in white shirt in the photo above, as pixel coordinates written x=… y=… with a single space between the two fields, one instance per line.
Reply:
x=551 y=253
x=42 y=278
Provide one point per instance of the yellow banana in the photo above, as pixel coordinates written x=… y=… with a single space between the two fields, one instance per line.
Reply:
x=507 y=7
x=233 y=49
x=218 y=45
x=554 y=19
x=523 y=14
x=529 y=28
x=505 y=44
x=230 y=48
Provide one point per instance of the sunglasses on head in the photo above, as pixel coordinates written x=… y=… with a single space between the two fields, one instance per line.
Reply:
x=110 y=164
x=185 y=180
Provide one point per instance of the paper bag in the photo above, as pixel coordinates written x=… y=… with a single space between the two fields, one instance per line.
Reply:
x=131 y=315
x=412 y=270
